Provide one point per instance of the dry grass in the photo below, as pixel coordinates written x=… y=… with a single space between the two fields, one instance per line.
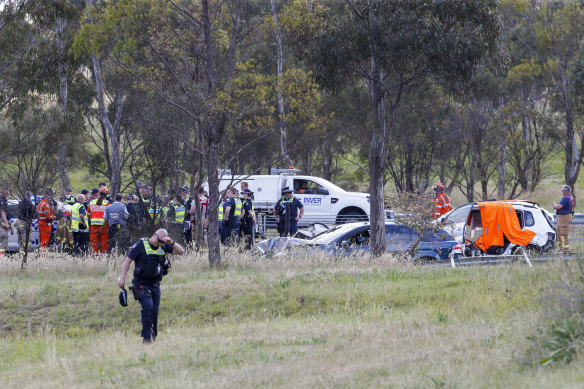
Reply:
x=302 y=322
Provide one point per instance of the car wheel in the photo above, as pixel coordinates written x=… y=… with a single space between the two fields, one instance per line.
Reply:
x=351 y=217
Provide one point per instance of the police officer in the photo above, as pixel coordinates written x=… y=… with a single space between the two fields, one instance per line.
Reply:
x=286 y=213
x=175 y=218
x=248 y=220
x=189 y=212
x=150 y=265
x=79 y=226
x=223 y=232
x=233 y=207
x=67 y=197
x=116 y=215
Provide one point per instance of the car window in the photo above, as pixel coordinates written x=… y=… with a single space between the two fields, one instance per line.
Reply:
x=12 y=211
x=398 y=233
x=359 y=238
x=520 y=217
x=529 y=220
x=307 y=187
x=459 y=215
x=436 y=236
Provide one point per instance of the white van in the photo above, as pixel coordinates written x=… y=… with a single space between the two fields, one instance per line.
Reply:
x=323 y=201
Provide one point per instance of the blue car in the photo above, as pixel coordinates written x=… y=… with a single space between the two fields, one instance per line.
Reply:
x=353 y=238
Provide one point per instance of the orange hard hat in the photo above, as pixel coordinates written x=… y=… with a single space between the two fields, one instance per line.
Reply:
x=104 y=190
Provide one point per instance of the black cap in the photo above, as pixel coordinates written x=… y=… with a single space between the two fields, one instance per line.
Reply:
x=184 y=188
x=84 y=191
x=94 y=190
x=123 y=297
x=130 y=197
x=287 y=190
x=68 y=189
x=247 y=191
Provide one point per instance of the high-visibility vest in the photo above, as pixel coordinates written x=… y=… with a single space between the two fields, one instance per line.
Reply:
x=44 y=212
x=97 y=212
x=238 y=205
x=159 y=214
x=69 y=200
x=179 y=212
x=220 y=212
x=76 y=218
x=442 y=204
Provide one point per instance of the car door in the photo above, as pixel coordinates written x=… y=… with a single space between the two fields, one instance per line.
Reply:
x=356 y=241
x=399 y=238
x=315 y=198
x=455 y=221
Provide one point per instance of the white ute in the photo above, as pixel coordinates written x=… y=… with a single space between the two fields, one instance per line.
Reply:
x=323 y=201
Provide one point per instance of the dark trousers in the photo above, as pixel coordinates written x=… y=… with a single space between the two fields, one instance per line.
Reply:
x=114 y=237
x=287 y=227
x=80 y=242
x=247 y=232
x=223 y=232
x=233 y=227
x=150 y=302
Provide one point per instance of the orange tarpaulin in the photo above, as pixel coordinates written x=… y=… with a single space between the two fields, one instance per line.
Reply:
x=500 y=220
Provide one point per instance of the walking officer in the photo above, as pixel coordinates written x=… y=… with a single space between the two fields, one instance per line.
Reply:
x=286 y=213
x=116 y=216
x=150 y=265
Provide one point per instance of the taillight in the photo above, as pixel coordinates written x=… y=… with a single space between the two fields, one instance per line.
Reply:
x=457 y=247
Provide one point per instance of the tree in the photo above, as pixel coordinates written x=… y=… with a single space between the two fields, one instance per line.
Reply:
x=389 y=45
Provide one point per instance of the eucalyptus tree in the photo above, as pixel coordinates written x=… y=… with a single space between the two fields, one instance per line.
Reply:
x=389 y=45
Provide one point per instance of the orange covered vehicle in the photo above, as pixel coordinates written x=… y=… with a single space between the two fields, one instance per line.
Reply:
x=500 y=227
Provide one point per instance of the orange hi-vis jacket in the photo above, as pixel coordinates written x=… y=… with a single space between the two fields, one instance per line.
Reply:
x=96 y=212
x=442 y=204
x=45 y=213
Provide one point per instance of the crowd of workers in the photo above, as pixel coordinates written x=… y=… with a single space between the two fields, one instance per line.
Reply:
x=94 y=222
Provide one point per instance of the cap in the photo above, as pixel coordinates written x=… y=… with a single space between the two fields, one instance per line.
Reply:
x=67 y=213
x=84 y=191
x=130 y=197
x=247 y=191
x=566 y=188
x=123 y=297
x=94 y=190
x=49 y=192
x=104 y=190
x=287 y=190
x=68 y=189
x=184 y=188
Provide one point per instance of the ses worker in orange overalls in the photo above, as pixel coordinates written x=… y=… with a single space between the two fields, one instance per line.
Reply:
x=45 y=220
x=442 y=200
x=98 y=226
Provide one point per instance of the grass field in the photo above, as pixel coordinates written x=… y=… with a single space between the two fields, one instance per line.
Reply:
x=313 y=322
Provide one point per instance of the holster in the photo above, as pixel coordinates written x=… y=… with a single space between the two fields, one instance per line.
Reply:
x=135 y=293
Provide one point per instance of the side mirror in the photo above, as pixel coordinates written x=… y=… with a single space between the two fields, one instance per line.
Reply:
x=322 y=191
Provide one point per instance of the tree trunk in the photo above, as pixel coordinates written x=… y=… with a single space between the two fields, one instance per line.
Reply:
x=281 y=108
x=326 y=160
x=377 y=159
x=502 y=173
x=214 y=199
x=63 y=102
x=111 y=129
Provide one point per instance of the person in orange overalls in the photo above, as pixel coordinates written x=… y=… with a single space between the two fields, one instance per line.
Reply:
x=98 y=235
x=45 y=220
x=442 y=201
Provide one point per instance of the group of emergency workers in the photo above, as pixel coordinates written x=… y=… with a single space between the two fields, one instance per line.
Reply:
x=97 y=223
x=237 y=216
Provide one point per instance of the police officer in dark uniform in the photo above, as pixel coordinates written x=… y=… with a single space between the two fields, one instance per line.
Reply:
x=150 y=265
x=232 y=207
x=189 y=212
x=248 y=220
x=286 y=213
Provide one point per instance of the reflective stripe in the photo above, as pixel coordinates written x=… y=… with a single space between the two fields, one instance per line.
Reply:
x=97 y=212
x=220 y=212
x=150 y=251
x=76 y=218
x=179 y=213
x=238 y=205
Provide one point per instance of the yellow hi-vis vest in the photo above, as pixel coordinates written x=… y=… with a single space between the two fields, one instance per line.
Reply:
x=76 y=218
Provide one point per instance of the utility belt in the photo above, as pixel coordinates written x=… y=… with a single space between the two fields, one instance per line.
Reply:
x=117 y=226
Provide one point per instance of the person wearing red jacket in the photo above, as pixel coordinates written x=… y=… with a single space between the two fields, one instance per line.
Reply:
x=45 y=219
x=442 y=201
x=98 y=227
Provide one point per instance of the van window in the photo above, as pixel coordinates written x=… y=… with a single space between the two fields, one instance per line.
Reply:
x=529 y=220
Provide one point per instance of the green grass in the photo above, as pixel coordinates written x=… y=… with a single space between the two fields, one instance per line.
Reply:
x=318 y=322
